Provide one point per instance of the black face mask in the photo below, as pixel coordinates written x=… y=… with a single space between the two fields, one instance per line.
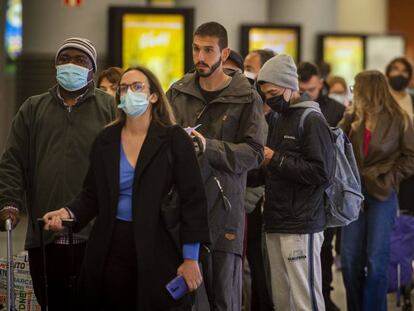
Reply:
x=278 y=103
x=398 y=83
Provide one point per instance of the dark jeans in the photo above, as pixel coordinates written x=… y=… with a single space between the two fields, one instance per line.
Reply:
x=365 y=255
x=63 y=263
x=260 y=293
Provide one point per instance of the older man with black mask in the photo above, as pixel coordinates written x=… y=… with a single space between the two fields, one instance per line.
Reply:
x=45 y=161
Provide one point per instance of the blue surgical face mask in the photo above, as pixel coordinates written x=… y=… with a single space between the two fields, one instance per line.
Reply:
x=72 y=77
x=134 y=104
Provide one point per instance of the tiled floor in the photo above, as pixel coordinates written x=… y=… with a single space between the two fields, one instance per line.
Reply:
x=338 y=295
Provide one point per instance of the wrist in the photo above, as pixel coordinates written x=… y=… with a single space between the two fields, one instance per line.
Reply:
x=187 y=260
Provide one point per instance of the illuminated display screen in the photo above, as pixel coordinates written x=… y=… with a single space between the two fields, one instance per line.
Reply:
x=279 y=40
x=13 y=31
x=345 y=54
x=155 y=41
x=157 y=38
x=382 y=49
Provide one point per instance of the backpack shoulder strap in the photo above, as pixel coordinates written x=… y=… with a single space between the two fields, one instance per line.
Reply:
x=303 y=118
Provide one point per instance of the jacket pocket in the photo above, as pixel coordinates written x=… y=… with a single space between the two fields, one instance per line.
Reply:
x=230 y=127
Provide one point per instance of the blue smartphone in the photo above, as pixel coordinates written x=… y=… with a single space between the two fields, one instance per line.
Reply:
x=177 y=287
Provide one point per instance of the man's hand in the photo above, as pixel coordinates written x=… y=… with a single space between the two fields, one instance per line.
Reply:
x=268 y=154
x=190 y=270
x=53 y=220
x=9 y=212
x=200 y=142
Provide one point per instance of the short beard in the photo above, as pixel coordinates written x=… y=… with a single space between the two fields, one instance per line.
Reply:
x=211 y=71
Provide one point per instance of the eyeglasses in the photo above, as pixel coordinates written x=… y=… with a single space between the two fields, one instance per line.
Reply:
x=134 y=87
x=77 y=60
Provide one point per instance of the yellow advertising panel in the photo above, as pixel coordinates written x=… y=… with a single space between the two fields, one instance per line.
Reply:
x=281 y=41
x=155 y=41
x=345 y=55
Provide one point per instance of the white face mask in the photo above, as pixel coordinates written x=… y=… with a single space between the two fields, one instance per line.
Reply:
x=250 y=75
x=343 y=99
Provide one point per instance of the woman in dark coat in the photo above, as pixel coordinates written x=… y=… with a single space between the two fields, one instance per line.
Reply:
x=134 y=163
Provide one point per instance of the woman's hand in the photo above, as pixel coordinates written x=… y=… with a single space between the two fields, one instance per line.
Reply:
x=190 y=270
x=53 y=220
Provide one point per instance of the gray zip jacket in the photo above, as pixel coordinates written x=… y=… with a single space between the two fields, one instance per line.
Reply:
x=235 y=131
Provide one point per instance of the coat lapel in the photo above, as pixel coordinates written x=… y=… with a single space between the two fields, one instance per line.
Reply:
x=156 y=137
x=111 y=157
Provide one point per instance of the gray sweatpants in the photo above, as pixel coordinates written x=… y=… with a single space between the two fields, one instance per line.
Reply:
x=295 y=268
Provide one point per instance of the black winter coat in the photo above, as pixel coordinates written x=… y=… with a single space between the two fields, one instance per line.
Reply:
x=332 y=110
x=157 y=256
x=298 y=173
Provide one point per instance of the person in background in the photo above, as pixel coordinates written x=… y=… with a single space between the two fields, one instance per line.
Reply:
x=311 y=83
x=108 y=80
x=399 y=74
x=254 y=61
x=46 y=159
x=382 y=136
x=230 y=138
x=234 y=62
x=258 y=295
x=134 y=163
x=325 y=72
x=338 y=90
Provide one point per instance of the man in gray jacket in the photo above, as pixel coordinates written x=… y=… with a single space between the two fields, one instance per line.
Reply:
x=45 y=161
x=230 y=136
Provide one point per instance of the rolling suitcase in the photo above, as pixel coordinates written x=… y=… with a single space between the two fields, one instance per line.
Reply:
x=400 y=270
x=68 y=223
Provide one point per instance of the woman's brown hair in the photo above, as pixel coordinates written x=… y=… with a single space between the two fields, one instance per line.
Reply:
x=372 y=97
x=112 y=74
x=162 y=112
x=332 y=80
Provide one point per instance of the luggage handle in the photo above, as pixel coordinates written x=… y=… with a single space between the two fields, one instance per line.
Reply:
x=10 y=266
x=68 y=223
